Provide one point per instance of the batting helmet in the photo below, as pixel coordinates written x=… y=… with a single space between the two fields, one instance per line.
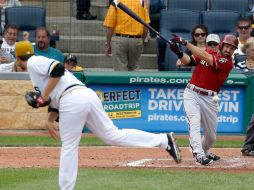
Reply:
x=70 y=58
x=229 y=39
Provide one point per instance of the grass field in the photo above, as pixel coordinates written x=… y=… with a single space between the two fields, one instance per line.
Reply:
x=134 y=179
x=120 y=179
x=19 y=141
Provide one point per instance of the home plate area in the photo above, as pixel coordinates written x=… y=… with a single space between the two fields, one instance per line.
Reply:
x=233 y=163
x=231 y=159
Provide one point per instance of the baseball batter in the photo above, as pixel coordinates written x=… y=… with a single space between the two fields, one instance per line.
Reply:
x=200 y=95
x=76 y=106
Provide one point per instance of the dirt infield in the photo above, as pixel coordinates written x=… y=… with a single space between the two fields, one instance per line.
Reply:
x=118 y=157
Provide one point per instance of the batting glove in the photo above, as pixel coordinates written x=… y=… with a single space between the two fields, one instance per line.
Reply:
x=175 y=48
x=179 y=40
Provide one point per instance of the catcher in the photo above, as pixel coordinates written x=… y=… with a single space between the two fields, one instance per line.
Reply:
x=76 y=106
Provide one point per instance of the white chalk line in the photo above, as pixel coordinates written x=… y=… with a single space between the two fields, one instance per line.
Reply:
x=227 y=163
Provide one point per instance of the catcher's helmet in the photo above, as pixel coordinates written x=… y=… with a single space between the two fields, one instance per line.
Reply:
x=70 y=58
x=229 y=39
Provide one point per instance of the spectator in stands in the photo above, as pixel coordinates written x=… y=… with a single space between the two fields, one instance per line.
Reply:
x=244 y=32
x=26 y=35
x=10 y=38
x=6 y=57
x=8 y=63
x=198 y=34
x=55 y=36
x=247 y=63
x=70 y=63
x=42 y=39
x=83 y=10
x=11 y=67
x=212 y=42
x=147 y=4
x=5 y=4
x=127 y=43
x=148 y=36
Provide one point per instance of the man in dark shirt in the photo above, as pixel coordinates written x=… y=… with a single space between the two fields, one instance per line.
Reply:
x=83 y=13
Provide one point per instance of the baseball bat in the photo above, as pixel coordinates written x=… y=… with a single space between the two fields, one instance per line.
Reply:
x=137 y=18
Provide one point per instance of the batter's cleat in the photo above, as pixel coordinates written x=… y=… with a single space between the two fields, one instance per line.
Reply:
x=251 y=153
x=173 y=148
x=213 y=157
x=203 y=161
x=248 y=152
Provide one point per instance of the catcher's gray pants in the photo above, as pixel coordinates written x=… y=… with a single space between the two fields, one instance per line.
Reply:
x=201 y=112
x=249 y=140
x=82 y=106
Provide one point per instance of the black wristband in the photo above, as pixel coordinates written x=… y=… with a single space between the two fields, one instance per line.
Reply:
x=180 y=54
x=185 y=42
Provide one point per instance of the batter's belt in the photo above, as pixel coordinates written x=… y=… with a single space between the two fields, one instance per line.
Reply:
x=201 y=91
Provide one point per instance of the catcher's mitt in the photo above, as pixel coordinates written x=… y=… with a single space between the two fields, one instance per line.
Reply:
x=35 y=99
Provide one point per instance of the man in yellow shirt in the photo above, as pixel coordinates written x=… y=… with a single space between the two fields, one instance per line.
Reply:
x=125 y=35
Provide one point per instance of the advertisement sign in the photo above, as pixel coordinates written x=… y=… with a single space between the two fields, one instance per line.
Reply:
x=159 y=108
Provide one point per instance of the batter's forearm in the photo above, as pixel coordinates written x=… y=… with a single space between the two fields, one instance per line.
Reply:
x=185 y=60
x=202 y=54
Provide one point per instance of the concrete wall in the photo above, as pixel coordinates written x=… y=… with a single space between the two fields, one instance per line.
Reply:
x=14 y=111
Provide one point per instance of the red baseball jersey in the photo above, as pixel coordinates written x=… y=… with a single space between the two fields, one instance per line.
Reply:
x=211 y=77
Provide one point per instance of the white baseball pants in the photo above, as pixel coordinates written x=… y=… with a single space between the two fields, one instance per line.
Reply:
x=82 y=106
x=201 y=112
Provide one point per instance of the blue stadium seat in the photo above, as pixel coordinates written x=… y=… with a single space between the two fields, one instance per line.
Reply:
x=175 y=21
x=170 y=60
x=241 y=6
x=27 y=18
x=198 y=5
x=220 y=22
x=179 y=21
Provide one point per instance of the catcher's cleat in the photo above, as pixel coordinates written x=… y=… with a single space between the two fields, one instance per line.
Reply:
x=213 y=157
x=203 y=161
x=173 y=148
